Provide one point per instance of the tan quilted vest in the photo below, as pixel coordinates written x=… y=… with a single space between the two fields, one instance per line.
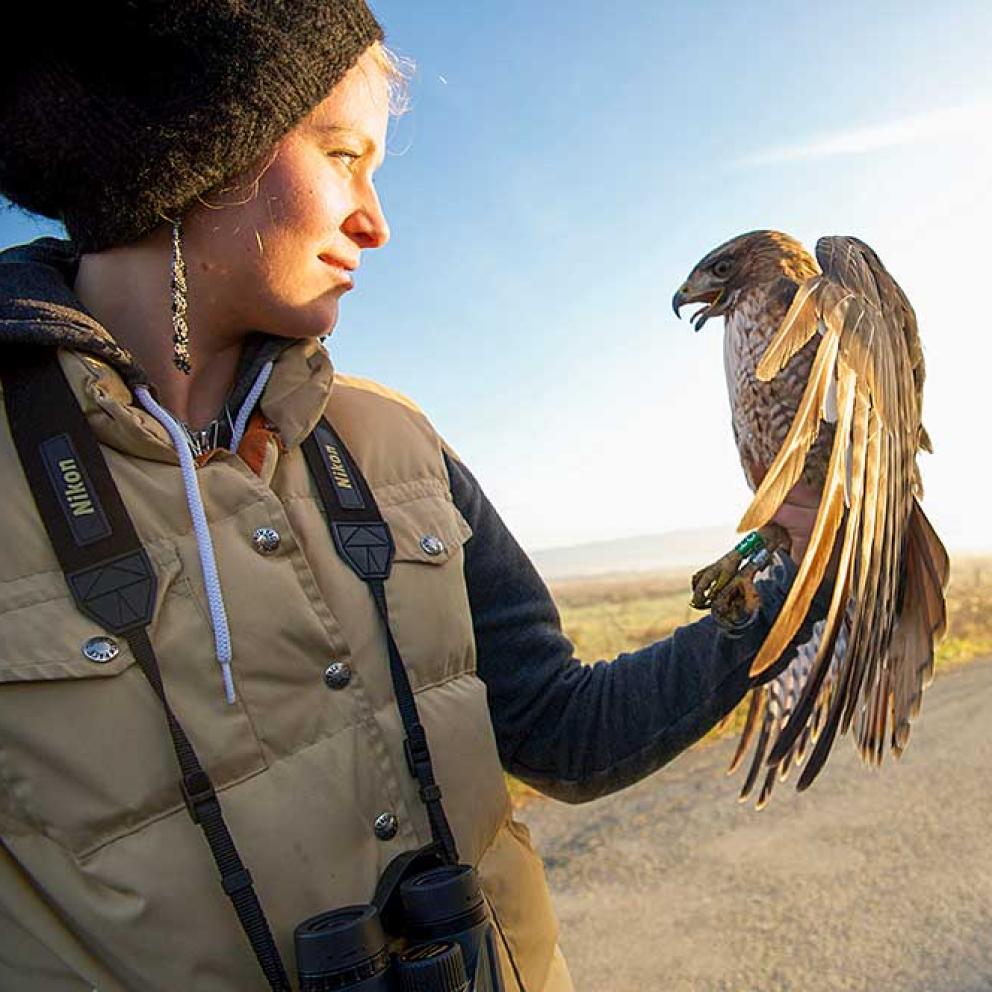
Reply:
x=102 y=873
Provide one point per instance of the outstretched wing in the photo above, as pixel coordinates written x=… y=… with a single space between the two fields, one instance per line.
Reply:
x=887 y=603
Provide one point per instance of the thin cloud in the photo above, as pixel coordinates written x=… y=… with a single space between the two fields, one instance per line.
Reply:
x=972 y=122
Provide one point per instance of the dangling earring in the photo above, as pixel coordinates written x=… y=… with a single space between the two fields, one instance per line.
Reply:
x=180 y=329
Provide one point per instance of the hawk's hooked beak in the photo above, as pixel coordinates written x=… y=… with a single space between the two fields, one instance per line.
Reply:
x=687 y=294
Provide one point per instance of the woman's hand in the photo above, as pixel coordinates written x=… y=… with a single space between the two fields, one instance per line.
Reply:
x=797 y=515
x=798 y=521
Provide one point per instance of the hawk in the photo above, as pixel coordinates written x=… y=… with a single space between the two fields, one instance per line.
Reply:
x=825 y=373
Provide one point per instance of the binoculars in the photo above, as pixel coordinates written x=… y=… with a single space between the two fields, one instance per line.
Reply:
x=441 y=924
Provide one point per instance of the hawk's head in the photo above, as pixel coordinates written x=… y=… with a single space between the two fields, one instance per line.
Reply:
x=760 y=258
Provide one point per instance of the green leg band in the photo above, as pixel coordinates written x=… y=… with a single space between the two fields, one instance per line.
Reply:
x=753 y=542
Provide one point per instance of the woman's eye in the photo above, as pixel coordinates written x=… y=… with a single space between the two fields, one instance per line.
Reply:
x=349 y=158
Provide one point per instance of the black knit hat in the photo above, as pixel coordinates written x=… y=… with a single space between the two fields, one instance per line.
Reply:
x=118 y=114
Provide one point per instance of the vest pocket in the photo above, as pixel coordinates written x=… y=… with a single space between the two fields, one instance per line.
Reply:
x=428 y=528
x=86 y=754
x=428 y=602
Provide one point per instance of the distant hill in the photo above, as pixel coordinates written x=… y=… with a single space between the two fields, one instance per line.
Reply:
x=674 y=550
x=677 y=551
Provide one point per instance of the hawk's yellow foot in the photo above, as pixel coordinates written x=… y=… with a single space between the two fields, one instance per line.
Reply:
x=709 y=581
x=727 y=586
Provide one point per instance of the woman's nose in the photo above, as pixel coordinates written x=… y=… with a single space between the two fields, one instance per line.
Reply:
x=367 y=225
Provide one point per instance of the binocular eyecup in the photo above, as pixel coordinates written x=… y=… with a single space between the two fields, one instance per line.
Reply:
x=342 y=949
x=449 y=942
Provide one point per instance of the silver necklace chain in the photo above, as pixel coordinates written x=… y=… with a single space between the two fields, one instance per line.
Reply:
x=207 y=438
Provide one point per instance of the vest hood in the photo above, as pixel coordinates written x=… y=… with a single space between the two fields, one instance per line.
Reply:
x=38 y=306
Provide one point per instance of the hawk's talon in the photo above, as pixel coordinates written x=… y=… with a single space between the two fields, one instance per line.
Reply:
x=727 y=586
x=707 y=582
x=738 y=601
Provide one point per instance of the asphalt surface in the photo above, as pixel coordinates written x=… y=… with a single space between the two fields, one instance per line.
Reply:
x=874 y=879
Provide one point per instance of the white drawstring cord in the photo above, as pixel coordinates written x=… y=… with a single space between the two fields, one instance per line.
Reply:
x=254 y=394
x=204 y=544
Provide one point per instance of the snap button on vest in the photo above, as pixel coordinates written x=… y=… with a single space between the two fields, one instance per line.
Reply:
x=265 y=540
x=337 y=675
x=101 y=649
x=385 y=826
x=432 y=545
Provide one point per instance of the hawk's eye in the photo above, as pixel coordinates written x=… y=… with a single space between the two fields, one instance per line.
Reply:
x=721 y=269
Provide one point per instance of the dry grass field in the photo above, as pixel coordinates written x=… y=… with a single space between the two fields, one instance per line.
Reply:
x=607 y=615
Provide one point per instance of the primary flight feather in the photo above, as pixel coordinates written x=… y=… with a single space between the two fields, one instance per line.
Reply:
x=825 y=374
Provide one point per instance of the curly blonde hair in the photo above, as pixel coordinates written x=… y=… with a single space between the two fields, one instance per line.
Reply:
x=398 y=71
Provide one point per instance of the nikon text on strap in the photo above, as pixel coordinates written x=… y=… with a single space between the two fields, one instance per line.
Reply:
x=113 y=583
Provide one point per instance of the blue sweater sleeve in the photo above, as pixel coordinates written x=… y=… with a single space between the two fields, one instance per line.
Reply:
x=579 y=731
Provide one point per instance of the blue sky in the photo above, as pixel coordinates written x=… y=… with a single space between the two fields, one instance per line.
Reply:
x=565 y=164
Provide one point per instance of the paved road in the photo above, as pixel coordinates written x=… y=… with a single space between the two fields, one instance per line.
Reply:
x=874 y=879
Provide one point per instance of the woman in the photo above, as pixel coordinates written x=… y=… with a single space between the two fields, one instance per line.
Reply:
x=214 y=169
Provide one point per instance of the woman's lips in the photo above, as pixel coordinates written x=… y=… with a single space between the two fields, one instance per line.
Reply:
x=343 y=268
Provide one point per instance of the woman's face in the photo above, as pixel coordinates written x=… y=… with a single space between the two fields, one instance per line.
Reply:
x=280 y=260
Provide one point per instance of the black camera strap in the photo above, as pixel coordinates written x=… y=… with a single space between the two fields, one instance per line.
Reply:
x=363 y=541
x=112 y=582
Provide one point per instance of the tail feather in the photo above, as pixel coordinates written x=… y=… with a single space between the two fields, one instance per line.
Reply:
x=922 y=620
x=755 y=707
